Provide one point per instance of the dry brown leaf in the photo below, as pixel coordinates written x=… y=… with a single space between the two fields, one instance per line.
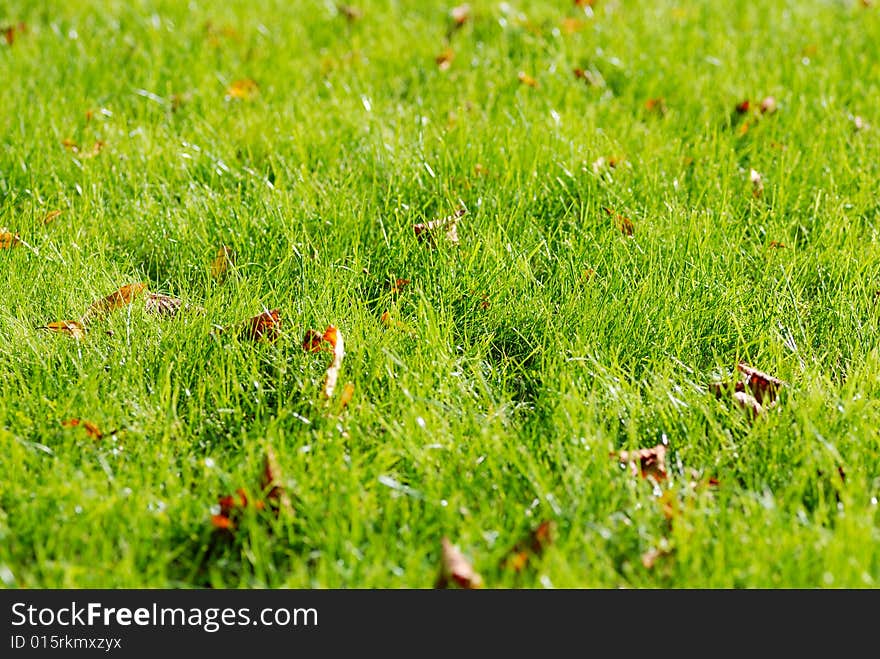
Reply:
x=162 y=305
x=623 y=223
x=398 y=285
x=426 y=231
x=647 y=462
x=444 y=59
x=115 y=300
x=775 y=244
x=9 y=239
x=242 y=89
x=455 y=569
x=650 y=557
x=222 y=262
x=532 y=545
x=51 y=215
x=263 y=326
x=313 y=341
x=764 y=387
x=748 y=402
x=585 y=3
x=91 y=429
x=526 y=79
x=69 y=327
x=231 y=508
x=272 y=486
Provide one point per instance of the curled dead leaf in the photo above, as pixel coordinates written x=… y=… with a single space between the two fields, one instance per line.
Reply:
x=764 y=387
x=426 y=231
x=263 y=326
x=117 y=299
x=455 y=569
x=647 y=462
x=313 y=341
x=162 y=305
x=72 y=328
x=533 y=545
x=623 y=224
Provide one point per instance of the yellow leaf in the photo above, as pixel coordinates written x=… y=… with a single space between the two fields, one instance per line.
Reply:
x=69 y=327
x=242 y=89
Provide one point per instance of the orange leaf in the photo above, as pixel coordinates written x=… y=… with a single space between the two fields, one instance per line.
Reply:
x=313 y=341
x=91 y=429
x=9 y=239
x=334 y=337
x=225 y=258
x=657 y=105
x=347 y=394
x=398 y=285
x=526 y=79
x=162 y=305
x=263 y=326
x=51 y=215
x=584 y=3
x=69 y=327
x=649 y=462
x=222 y=522
x=425 y=231
x=242 y=89
x=115 y=300
x=455 y=569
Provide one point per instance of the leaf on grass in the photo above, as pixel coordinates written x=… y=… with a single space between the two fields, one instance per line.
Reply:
x=526 y=79
x=91 y=429
x=455 y=569
x=222 y=262
x=764 y=387
x=573 y=25
x=398 y=285
x=748 y=402
x=757 y=183
x=654 y=554
x=334 y=337
x=231 y=507
x=97 y=147
x=9 y=32
x=775 y=244
x=272 y=486
x=70 y=327
x=313 y=341
x=533 y=545
x=162 y=305
x=242 y=89
x=624 y=224
x=50 y=216
x=743 y=107
x=426 y=231
x=646 y=462
x=265 y=325
x=9 y=239
x=444 y=59
x=115 y=300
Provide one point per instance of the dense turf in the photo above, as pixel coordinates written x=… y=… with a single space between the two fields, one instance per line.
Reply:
x=512 y=365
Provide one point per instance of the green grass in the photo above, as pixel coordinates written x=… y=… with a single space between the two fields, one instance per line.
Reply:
x=470 y=420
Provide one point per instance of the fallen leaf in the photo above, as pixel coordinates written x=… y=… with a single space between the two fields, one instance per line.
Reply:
x=591 y=78
x=231 y=508
x=265 y=325
x=222 y=262
x=624 y=224
x=455 y=570
x=222 y=522
x=444 y=59
x=764 y=387
x=647 y=462
x=271 y=485
x=242 y=89
x=9 y=239
x=162 y=305
x=757 y=183
x=334 y=337
x=426 y=230
x=743 y=107
x=51 y=215
x=532 y=545
x=775 y=244
x=650 y=557
x=526 y=79
x=70 y=145
x=91 y=429
x=69 y=327
x=313 y=341
x=398 y=285
x=97 y=147
x=9 y=32
x=748 y=402
x=115 y=300
x=585 y=3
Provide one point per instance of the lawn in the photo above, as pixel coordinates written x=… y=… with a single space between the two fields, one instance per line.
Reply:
x=644 y=195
